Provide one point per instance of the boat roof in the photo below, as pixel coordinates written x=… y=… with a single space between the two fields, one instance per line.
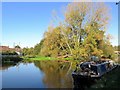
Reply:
x=100 y=64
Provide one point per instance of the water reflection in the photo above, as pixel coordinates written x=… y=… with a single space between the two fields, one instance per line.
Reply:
x=38 y=74
x=22 y=75
x=56 y=75
x=51 y=74
x=8 y=65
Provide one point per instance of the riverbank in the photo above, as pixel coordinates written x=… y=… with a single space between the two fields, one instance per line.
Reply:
x=9 y=59
x=41 y=58
x=47 y=59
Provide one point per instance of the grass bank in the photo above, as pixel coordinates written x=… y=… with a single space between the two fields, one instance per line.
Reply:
x=40 y=58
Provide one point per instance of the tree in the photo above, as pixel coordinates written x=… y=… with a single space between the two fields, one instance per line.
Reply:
x=28 y=52
x=37 y=47
x=117 y=48
x=87 y=24
x=17 y=46
x=107 y=48
x=81 y=34
x=53 y=44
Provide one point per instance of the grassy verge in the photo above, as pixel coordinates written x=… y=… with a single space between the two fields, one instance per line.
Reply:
x=40 y=58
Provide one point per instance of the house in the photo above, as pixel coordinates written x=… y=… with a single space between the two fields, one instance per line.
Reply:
x=4 y=48
x=7 y=48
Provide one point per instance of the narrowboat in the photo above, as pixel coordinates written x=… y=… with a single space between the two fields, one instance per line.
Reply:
x=91 y=70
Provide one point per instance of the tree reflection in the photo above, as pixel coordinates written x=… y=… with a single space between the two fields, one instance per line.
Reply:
x=56 y=74
x=8 y=65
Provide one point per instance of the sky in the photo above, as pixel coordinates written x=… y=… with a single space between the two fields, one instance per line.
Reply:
x=24 y=23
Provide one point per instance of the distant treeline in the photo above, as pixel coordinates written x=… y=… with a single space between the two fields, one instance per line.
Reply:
x=117 y=48
x=33 y=51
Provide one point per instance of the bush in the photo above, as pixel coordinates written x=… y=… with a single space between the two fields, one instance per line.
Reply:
x=9 y=53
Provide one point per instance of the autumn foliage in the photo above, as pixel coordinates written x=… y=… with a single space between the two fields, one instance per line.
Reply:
x=81 y=34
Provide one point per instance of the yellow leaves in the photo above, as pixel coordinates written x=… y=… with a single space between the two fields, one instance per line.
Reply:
x=81 y=34
x=87 y=29
x=75 y=12
x=98 y=36
x=52 y=42
x=79 y=53
x=97 y=52
x=109 y=36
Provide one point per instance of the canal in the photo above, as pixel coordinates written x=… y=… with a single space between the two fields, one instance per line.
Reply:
x=50 y=74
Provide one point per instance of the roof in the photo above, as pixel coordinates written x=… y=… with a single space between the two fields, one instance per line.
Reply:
x=6 y=48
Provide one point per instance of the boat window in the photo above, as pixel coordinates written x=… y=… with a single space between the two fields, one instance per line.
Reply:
x=94 y=69
x=85 y=65
x=103 y=68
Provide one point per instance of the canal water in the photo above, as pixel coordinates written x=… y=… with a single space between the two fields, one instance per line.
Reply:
x=37 y=74
x=49 y=74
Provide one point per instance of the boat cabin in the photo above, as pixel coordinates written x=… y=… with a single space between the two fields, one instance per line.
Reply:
x=96 y=68
x=100 y=69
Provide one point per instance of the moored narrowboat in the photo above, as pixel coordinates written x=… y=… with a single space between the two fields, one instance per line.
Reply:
x=93 y=69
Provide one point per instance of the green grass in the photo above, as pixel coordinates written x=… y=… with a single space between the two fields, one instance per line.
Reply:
x=68 y=58
x=40 y=58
